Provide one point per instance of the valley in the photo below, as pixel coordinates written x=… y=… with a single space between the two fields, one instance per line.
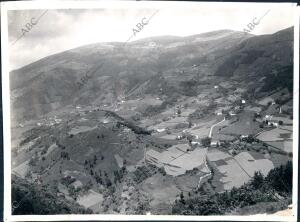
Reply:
x=166 y=119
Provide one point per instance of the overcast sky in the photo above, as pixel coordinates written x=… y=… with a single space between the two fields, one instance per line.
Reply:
x=60 y=30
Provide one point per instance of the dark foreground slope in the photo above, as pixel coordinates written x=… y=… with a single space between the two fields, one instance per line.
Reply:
x=29 y=198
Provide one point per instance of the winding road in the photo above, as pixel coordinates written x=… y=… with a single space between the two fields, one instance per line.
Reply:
x=212 y=127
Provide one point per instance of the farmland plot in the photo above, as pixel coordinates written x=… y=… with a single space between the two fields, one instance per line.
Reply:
x=90 y=199
x=169 y=124
x=245 y=125
x=265 y=101
x=22 y=169
x=81 y=129
x=288 y=146
x=176 y=160
x=250 y=165
x=215 y=155
x=186 y=162
x=234 y=175
x=161 y=188
x=276 y=134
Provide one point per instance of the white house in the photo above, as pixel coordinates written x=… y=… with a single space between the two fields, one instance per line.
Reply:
x=214 y=143
x=273 y=123
x=76 y=184
x=160 y=130
x=179 y=137
x=195 y=143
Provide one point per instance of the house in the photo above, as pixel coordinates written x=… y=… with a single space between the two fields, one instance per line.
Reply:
x=244 y=136
x=195 y=143
x=160 y=130
x=231 y=113
x=268 y=117
x=214 y=143
x=76 y=184
x=270 y=123
x=179 y=137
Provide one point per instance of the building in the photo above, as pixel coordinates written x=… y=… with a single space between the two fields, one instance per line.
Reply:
x=160 y=130
x=195 y=143
x=215 y=143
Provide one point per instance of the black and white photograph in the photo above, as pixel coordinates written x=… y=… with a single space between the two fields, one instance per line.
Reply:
x=150 y=110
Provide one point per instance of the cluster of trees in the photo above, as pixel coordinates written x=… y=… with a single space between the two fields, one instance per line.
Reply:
x=202 y=111
x=189 y=87
x=67 y=180
x=34 y=199
x=206 y=141
x=89 y=164
x=101 y=178
x=155 y=109
x=143 y=172
x=130 y=125
x=249 y=139
x=259 y=189
x=119 y=174
x=65 y=155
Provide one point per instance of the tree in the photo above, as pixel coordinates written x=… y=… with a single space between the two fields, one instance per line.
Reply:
x=108 y=182
x=258 y=180
x=189 y=138
x=179 y=112
x=87 y=186
x=182 y=198
x=206 y=141
x=65 y=155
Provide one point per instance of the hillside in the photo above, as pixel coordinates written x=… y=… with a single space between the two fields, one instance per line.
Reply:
x=271 y=194
x=132 y=129
x=33 y=199
x=105 y=73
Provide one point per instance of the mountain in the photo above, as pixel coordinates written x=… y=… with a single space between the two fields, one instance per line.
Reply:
x=124 y=128
x=104 y=73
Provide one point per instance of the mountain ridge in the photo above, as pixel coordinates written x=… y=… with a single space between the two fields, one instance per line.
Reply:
x=117 y=70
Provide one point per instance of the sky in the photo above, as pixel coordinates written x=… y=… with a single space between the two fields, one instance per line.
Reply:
x=58 y=30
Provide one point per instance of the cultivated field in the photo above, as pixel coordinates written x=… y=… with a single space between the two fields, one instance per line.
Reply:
x=176 y=160
x=276 y=134
x=250 y=165
x=90 y=199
